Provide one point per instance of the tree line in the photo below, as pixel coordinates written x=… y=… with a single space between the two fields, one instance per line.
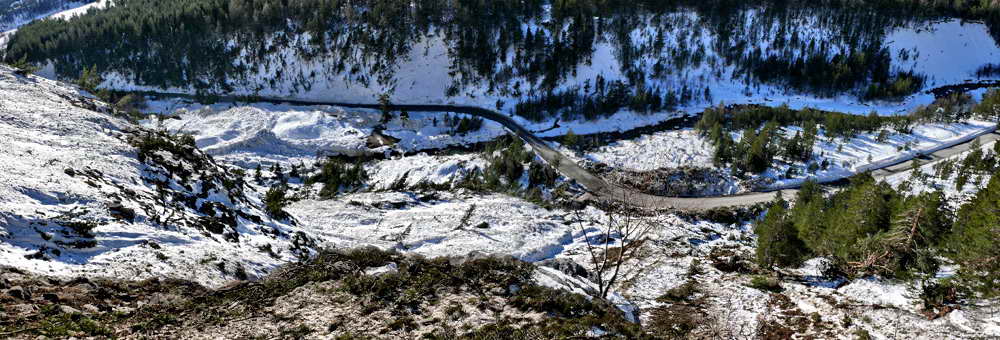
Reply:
x=871 y=228
x=761 y=141
x=513 y=49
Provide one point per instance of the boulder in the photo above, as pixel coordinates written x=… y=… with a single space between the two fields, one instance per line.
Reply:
x=19 y=292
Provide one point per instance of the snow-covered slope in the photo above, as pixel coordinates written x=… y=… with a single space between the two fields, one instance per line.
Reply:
x=245 y=134
x=84 y=192
x=22 y=12
x=946 y=52
x=66 y=10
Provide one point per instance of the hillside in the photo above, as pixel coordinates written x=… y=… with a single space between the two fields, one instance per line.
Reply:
x=14 y=13
x=82 y=191
x=500 y=169
x=539 y=60
x=356 y=294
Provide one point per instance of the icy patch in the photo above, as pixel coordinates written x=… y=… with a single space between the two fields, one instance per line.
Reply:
x=875 y=292
x=386 y=269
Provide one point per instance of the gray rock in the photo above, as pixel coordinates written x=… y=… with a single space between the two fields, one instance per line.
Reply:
x=19 y=292
x=124 y=310
x=52 y=297
x=21 y=309
x=567 y=266
x=390 y=268
x=343 y=267
x=69 y=310
x=89 y=308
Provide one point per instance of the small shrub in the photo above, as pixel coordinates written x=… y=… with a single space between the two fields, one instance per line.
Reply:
x=275 y=201
x=765 y=283
x=680 y=293
x=862 y=334
x=405 y=323
x=336 y=175
x=82 y=228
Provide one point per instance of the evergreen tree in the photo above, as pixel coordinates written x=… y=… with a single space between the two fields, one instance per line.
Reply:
x=275 y=201
x=90 y=79
x=856 y=213
x=778 y=243
x=976 y=241
x=571 y=140
x=384 y=104
x=807 y=215
x=23 y=67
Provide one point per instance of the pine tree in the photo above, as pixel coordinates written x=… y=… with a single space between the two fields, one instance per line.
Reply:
x=860 y=211
x=906 y=248
x=90 y=79
x=275 y=201
x=807 y=215
x=778 y=243
x=23 y=67
x=571 y=140
x=976 y=241
x=384 y=104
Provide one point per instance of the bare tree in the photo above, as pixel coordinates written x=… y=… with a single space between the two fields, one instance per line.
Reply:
x=625 y=223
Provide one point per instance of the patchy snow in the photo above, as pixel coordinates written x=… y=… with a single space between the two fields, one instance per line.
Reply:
x=879 y=293
x=422 y=168
x=668 y=149
x=925 y=179
x=247 y=133
x=947 y=51
x=76 y=11
x=433 y=225
x=864 y=153
x=845 y=157
x=66 y=169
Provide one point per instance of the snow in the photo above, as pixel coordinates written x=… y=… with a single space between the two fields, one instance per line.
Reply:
x=46 y=132
x=686 y=148
x=668 y=149
x=422 y=168
x=937 y=43
x=865 y=153
x=947 y=51
x=929 y=182
x=76 y=11
x=879 y=293
x=244 y=133
x=432 y=226
x=43 y=135
x=67 y=11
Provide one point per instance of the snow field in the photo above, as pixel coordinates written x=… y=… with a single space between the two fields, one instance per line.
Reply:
x=289 y=134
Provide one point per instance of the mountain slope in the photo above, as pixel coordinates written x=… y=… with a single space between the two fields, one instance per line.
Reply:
x=83 y=191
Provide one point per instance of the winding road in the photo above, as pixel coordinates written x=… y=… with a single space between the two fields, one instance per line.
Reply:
x=598 y=187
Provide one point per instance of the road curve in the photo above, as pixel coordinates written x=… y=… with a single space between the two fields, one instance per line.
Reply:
x=597 y=186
